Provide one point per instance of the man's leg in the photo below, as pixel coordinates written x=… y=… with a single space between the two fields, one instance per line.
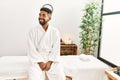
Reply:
x=35 y=73
x=56 y=72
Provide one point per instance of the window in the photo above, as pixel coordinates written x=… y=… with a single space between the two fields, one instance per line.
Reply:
x=109 y=48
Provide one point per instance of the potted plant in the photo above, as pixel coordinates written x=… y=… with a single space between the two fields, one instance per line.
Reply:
x=90 y=26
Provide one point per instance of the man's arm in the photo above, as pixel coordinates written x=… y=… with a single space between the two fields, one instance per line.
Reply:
x=55 y=52
x=33 y=55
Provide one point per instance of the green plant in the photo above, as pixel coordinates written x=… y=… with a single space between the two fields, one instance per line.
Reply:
x=90 y=26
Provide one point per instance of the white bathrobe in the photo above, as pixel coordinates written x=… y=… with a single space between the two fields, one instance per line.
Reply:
x=44 y=46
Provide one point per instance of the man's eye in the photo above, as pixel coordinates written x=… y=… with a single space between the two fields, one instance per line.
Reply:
x=43 y=15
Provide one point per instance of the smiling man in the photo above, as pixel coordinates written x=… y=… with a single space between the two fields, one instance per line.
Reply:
x=44 y=48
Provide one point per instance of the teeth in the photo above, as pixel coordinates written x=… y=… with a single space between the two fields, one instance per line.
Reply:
x=41 y=20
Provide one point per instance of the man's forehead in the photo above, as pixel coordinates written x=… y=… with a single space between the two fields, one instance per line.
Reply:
x=43 y=12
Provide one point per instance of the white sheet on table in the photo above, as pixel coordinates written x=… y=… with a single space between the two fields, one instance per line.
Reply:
x=16 y=67
x=84 y=70
x=13 y=66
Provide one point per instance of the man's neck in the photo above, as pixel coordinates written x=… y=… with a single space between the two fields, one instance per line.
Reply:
x=45 y=27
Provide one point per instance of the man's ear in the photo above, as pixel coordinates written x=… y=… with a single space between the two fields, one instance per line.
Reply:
x=49 y=17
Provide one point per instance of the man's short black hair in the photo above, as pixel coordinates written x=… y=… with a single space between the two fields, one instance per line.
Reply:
x=48 y=8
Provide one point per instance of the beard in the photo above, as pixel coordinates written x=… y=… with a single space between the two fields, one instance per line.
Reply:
x=42 y=21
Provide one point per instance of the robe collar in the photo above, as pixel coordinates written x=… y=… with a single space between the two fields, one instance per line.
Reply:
x=43 y=28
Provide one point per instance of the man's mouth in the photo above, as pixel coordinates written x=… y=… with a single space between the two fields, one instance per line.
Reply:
x=41 y=20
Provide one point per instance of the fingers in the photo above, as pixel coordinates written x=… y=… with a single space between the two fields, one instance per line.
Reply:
x=42 y=65
x=48 y=65
x=45 y=66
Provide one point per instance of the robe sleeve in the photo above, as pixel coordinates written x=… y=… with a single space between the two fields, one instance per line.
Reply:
x=54 y=55
x=33 y=55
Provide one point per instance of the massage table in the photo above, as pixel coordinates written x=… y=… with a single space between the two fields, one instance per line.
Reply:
x=15 y=67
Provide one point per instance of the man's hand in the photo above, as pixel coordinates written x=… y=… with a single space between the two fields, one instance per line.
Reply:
x=48 y=65
x=42 y=65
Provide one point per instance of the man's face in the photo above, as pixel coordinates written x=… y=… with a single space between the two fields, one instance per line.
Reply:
x=44 y=17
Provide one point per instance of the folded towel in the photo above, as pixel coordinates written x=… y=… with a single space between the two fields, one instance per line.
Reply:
x=84 y=57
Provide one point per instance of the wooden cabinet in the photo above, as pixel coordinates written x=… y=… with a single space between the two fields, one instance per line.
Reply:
x=68 y=49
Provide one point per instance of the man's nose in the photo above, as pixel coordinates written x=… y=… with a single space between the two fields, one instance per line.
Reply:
x=40 y=18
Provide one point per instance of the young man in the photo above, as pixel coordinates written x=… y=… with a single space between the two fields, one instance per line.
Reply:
x=44 y=49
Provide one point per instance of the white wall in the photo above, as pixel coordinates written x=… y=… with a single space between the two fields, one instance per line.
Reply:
x=18 y=16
